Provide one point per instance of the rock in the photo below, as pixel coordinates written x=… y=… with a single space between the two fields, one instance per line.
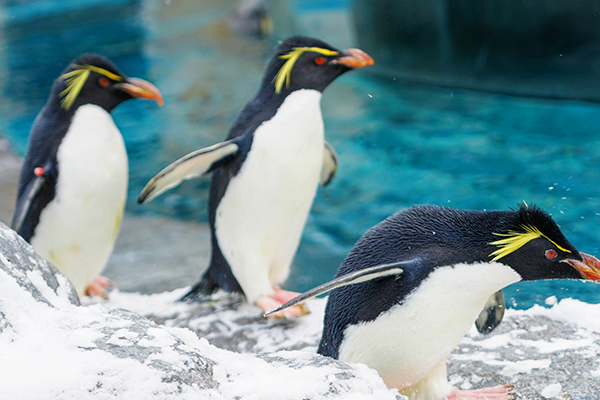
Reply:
x=535 y=353
x=540 y=350
x=31 y=272
x=53 y=348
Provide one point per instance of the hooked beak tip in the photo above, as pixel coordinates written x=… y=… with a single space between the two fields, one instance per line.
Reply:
x=589 y=268
x=355 y=58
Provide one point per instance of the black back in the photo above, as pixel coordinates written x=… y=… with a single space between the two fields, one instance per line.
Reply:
x=435 y=237
x=260 y=109
x=49 y=129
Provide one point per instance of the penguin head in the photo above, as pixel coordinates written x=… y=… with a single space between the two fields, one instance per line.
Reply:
x=534 y=246
x=94 y=79
x=306 y=63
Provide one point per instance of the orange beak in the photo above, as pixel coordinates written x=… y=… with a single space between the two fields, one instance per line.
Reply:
x=354 y=58
x=589 y=268
x=141 y=89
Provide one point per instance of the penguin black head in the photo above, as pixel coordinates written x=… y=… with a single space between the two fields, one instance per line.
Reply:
x=534 y=246
x=306 y=63
x=94 y=79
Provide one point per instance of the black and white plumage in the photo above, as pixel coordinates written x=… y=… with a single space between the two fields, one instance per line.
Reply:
x=266 y=174
x=73 y=183
x=405 y=323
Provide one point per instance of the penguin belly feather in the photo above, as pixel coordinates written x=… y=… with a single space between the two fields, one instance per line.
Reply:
x=260 y=218
x=409 y=343
x=77 y=230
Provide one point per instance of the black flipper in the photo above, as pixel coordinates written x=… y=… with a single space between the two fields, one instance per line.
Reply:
x=38 y=192
x=195 y=164
x=492 y=313
x=363 y=275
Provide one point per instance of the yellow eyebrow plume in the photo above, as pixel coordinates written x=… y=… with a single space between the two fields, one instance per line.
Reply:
x=515 y=240
x=76 y=79
x=286 y=70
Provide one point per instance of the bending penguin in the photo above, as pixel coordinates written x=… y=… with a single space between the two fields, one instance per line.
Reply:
x=265 y=175
x=73 y=184
x=413 y=285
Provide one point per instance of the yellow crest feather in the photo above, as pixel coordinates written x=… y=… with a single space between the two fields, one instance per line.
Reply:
x=76 y=79
x=515 y=240
x=286 y=70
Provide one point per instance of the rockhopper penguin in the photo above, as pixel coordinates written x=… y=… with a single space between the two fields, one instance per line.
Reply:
x=413 y=285
x=73 y=184
x=265 y=176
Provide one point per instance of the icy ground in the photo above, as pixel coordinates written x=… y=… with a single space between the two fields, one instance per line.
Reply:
x=546 y=353
x=53 y=349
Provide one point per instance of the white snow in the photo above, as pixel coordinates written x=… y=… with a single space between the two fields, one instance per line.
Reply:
x=524 y=367
x=552 y=391
x=52 y=352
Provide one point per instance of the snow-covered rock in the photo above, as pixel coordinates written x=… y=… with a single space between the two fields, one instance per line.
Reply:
x=542 y=351
x=53 y=348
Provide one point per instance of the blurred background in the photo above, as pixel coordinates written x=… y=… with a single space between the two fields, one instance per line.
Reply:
x=476 y=104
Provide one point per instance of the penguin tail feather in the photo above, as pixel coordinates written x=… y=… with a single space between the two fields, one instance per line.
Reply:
x=201 y=291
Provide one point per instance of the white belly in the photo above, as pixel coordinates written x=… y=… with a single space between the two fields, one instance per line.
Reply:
x=78 y=228
x=405 y=344
x=260 y=218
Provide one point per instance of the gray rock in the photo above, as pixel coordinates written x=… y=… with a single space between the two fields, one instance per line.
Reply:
x=101 y=352
x=533 y=352
x=21 y=262
x=520 y=352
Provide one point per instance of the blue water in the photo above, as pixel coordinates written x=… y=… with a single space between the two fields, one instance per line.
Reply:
x=398 y=144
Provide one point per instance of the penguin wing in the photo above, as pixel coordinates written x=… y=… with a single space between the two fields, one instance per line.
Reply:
x=29 y=198
x=492 y=313
x=330 y=162
x=193 y=165
x=363 y=275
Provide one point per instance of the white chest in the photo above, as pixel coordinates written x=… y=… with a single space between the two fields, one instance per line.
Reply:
x=261 y=216
x=78 y=228
x=404 y=344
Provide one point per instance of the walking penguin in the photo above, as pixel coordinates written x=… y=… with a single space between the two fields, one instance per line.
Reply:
x=265 y=175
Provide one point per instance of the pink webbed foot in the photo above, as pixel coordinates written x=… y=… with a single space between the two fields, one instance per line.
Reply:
x=97 y=287
x=268 y=303
x=283 y=296
x=504 y=392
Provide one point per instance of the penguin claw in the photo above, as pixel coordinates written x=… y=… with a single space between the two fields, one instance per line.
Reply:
x=98 y=287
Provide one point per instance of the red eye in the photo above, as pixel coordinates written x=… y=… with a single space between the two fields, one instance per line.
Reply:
x=104 y=82
x=550 y=254
x=320 y=60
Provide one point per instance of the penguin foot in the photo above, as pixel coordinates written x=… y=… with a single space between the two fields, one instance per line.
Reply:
x=98 y=287
x=268 y=303
x=504 y=392
x=283 y=296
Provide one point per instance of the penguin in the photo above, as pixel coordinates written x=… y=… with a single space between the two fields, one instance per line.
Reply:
x=73 y=183
x=413 y=285
x=265 y=175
